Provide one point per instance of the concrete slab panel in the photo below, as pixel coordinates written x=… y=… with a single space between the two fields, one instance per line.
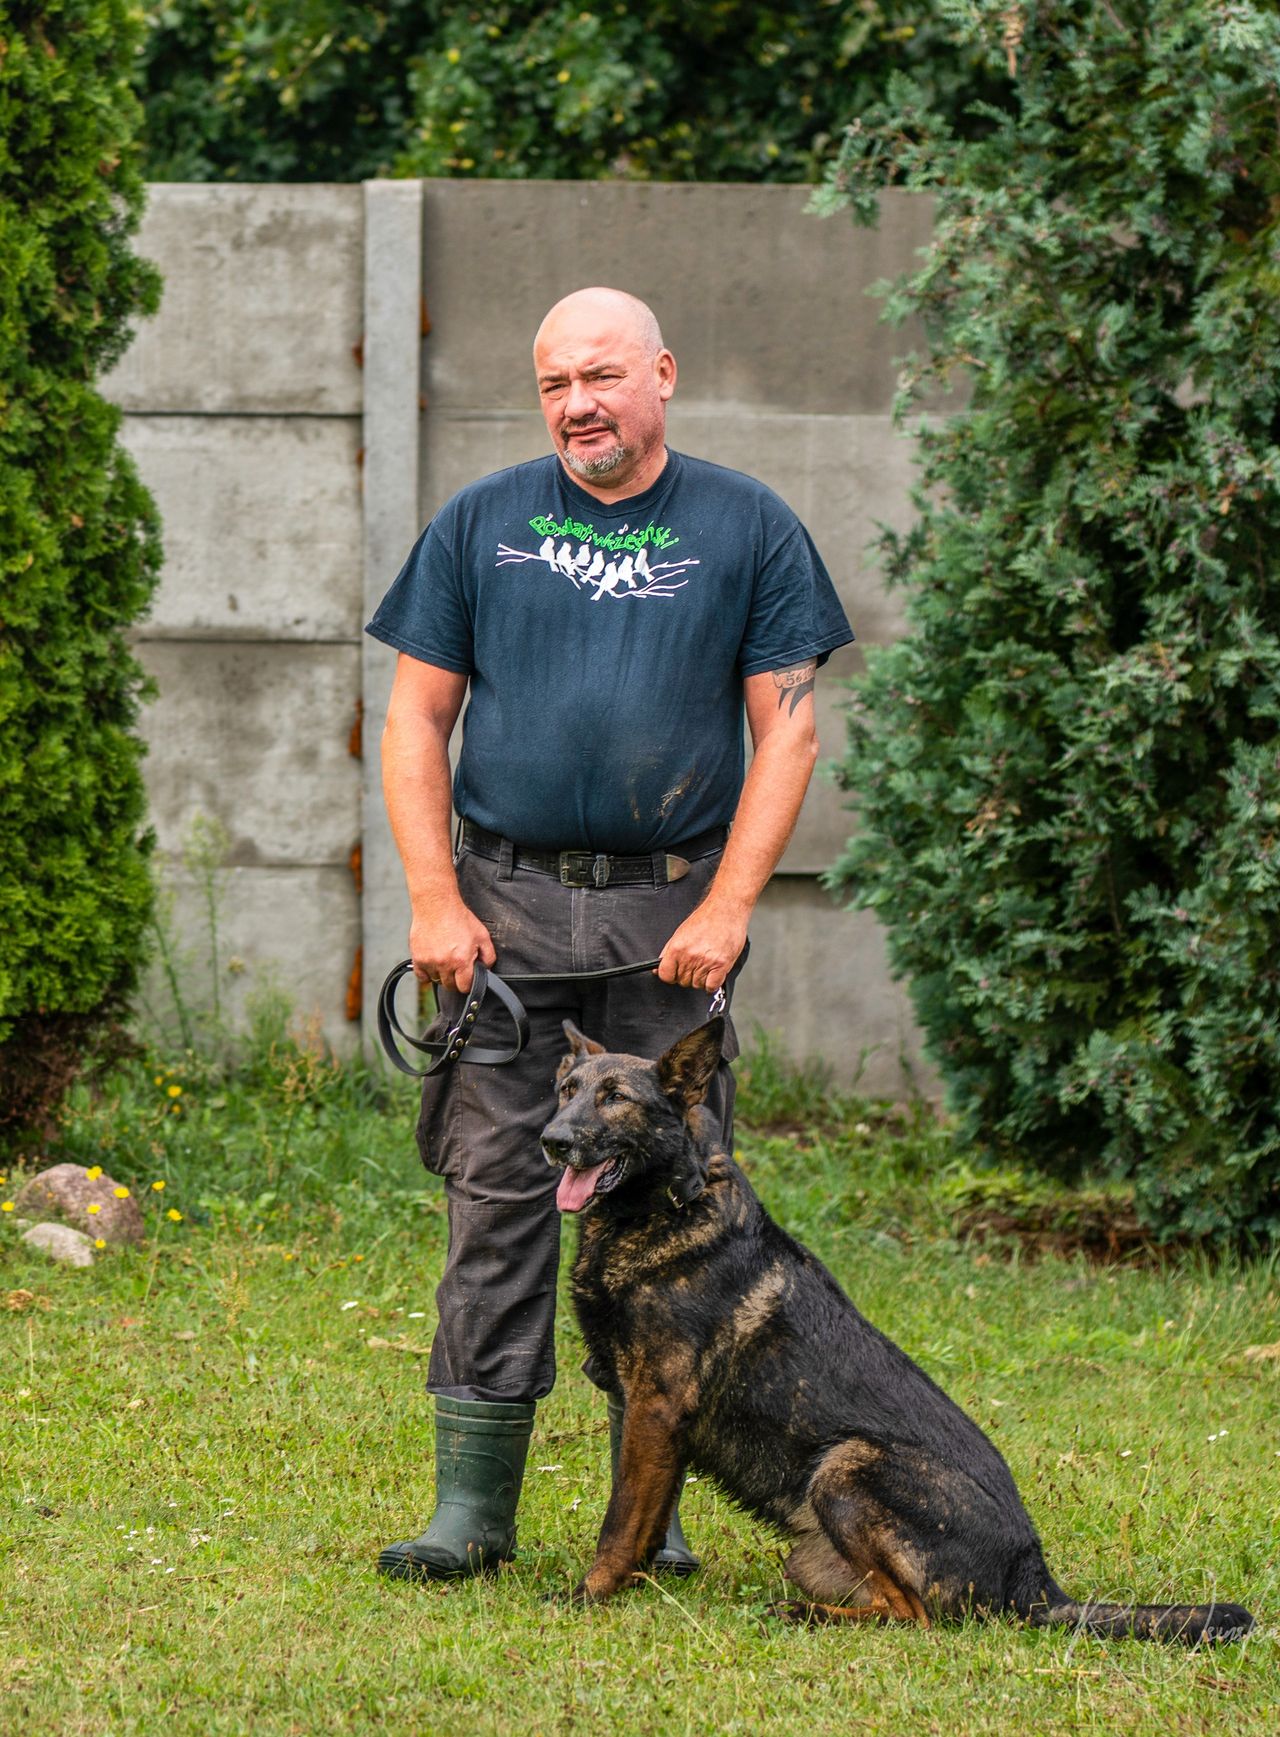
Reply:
x=257 y=737
x=262 y=525
x=764 y=306
x=458 y=446
x=262 y=306
x=291 y=929
x=818 y=977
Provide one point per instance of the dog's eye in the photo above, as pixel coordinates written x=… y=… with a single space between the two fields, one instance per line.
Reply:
x=568 y=1089
x=612 y=1096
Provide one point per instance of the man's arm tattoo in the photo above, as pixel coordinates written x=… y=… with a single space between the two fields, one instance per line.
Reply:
x=797 y=682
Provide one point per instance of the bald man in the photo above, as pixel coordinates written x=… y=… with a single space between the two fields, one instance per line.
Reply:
x=608 y=613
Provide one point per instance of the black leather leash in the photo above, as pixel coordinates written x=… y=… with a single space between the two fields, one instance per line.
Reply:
x=452 y=1048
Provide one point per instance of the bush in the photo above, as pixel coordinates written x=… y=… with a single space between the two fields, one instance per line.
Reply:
x=329 y=90
x=1068 y=776
x=78 y=546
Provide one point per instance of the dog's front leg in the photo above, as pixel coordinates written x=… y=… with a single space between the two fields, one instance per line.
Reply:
x=646 y=1485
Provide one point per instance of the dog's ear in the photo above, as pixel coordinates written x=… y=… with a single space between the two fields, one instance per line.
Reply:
x=579 y=1046
x=685 y=1071
x=689 y=1172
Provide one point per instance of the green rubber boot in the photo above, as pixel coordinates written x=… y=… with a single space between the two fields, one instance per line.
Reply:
x=675 y=1556
x=480 y=1454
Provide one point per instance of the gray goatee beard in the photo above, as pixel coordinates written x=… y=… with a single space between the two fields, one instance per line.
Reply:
x=601 y=464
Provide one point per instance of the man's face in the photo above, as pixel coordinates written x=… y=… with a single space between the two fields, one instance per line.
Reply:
x=604 y=396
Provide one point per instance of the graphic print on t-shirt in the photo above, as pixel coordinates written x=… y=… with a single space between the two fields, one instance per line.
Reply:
x=595 y=565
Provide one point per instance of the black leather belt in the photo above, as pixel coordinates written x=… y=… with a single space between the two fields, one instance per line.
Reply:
x=586 y=868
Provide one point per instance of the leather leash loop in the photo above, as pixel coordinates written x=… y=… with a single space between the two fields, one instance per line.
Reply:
x=453 y=1047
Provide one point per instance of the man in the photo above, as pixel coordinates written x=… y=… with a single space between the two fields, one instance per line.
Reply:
x=611 y=609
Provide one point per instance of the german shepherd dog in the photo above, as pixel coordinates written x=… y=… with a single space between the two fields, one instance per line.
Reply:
x=738 y=1354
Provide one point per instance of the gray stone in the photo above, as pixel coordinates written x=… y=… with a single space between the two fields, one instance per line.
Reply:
x=61 y=1243
x=66 y=1192
x=262 y=302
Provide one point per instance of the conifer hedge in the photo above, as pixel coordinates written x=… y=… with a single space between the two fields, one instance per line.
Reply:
x=1068 y=777
x=79 y=549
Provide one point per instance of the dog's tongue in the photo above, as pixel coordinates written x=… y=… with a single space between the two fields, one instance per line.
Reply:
x=577 y=1187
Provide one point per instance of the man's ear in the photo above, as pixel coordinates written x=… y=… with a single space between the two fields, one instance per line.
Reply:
x=685 y=1071
x=579 y=1046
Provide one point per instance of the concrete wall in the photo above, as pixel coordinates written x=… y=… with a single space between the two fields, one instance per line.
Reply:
x=244 y=401
x=298 y=428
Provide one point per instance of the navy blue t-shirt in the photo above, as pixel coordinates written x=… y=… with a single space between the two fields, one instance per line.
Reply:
x=607 y=645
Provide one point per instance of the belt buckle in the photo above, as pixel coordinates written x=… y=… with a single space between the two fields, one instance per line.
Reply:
x=583 y=868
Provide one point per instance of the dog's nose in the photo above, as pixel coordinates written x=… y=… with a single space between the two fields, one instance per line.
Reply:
x=557 y=1148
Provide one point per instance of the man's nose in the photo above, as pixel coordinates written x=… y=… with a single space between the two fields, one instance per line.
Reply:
x=580 y=402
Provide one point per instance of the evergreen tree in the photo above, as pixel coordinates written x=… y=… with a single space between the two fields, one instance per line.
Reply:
x=78 y=545
x=1067 y=778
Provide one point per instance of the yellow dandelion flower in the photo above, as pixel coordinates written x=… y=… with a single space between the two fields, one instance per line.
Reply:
x=288 y=1257
x=121 y=1193
x=94 y=1206
x=7 y=1207
x=99 y=1242
x=174 y=1214
x=159 y=1079
x=94 y=1172
x=158 y=1186
x=175 y=1091
x=175 y=1109
x=357 y=1257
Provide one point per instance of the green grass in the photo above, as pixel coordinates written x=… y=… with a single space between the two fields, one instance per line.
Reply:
x=204 y=1449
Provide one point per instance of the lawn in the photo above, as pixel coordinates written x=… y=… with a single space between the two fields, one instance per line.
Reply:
x=208 y=1438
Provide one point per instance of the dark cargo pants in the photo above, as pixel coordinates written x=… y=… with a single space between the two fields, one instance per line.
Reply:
x=480 y=1127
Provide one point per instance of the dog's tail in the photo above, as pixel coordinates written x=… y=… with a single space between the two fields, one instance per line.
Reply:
x=1042 y=1602
x=1189 y=1623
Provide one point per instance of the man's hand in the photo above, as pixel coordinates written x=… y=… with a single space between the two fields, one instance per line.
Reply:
x=445 y=943
x=705 y=948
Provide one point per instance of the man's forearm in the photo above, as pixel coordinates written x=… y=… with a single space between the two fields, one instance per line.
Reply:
x=417 y=784
x=766 y=816
x=445 y=936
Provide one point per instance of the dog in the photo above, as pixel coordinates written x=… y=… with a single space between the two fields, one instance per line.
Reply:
x=737 y=1353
